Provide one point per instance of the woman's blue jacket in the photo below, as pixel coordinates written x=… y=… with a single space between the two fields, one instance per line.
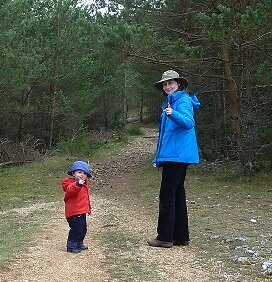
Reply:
x=177 y=138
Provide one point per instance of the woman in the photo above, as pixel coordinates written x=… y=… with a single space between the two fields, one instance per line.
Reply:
x=176 y=149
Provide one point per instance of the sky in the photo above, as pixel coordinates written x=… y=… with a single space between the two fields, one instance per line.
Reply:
x=86 y=1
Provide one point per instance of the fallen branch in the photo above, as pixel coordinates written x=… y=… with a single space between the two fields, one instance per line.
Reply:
x=10 y=163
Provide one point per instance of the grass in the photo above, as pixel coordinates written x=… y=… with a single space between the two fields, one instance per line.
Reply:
x=122 y=256
x=16 y=231
x=235 y=220
x=30 y=184
x=108 y=150
x=23 y=187
x=229 y=216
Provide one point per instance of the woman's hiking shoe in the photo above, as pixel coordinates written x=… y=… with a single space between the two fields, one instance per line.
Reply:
x=178 y=243
x=157 y=243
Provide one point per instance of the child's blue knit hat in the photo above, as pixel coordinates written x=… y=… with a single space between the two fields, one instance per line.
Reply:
x=80 y=165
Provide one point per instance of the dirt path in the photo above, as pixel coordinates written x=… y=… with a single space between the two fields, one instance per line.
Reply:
x=47 y=260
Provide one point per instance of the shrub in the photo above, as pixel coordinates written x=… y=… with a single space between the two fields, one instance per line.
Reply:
x=133 y=129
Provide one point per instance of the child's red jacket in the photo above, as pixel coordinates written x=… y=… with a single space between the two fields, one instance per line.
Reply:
x=77 y=197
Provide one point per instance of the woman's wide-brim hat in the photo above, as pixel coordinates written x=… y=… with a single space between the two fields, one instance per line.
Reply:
x=168 y=75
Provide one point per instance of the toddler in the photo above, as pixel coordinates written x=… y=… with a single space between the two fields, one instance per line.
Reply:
x=77 y=204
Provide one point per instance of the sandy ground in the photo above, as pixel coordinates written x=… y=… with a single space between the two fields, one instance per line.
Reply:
x=47 y=260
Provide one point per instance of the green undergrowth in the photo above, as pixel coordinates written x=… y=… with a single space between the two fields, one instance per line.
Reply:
x=29 y=185
x=93 y=151
x=16 y=231
x=123 y=258
x=98 y=146
x=230 y=217
x=23 y=189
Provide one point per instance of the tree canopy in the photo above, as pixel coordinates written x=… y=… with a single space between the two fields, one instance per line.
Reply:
x=65 y=66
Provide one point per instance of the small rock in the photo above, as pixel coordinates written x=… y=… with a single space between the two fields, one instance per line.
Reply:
x=267 y=267
x=253 y=253
x=240 y=239
x=215 y=237
x=243 y=260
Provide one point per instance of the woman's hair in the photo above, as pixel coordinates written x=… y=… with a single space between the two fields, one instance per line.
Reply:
x=181 y=86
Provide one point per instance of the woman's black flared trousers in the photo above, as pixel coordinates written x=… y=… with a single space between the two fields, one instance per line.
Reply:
x=173 y=217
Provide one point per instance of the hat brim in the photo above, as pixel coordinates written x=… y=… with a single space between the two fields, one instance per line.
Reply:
x=70 y=171
x=182 y=80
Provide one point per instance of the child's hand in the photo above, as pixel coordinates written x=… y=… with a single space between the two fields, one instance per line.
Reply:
x=80 y=181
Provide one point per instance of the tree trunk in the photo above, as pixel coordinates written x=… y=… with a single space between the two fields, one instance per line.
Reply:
x=235 y=104
x=125 y=108
x=141 y=118
x=105 y=110
x=25 y=101
x=248 y=111
x=53 y=85
x=226 y=152
x=52 y=113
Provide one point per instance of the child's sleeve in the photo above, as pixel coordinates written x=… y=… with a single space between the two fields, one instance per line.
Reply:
x=70 y=186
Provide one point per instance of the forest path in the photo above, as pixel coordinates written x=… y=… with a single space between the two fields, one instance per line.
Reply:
x=114 y=210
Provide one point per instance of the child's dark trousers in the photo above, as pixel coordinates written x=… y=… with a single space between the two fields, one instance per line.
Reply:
x=77 y=233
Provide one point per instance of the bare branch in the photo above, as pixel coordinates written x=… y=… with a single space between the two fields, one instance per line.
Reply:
x=174 y=64
x=10 y=163
x=256 y=39
x=188 y=35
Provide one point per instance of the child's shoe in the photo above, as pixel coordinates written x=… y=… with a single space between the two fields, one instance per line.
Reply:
x=83 y=248
x=73 y=251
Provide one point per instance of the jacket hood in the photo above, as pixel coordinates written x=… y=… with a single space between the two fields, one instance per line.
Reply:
x=195 y=102
x=175 y=96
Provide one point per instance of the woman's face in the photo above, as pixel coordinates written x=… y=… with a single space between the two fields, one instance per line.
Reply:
x=170 y=86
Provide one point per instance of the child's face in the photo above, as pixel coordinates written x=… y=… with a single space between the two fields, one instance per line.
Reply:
x=79 y=174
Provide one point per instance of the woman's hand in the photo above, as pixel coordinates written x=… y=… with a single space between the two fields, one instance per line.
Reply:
x=168 y=110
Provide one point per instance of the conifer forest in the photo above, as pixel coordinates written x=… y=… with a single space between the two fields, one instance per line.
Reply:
x=68 y=68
